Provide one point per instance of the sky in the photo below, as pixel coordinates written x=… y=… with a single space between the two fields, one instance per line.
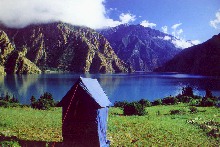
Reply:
x=196 y=20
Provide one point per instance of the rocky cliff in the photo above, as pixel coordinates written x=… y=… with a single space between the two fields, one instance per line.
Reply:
x=13 y=61
x=60 y=46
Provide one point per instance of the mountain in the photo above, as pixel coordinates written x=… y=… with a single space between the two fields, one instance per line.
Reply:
x=13 y=61
x=61 y=46
x=141 y=47
x=200 y=59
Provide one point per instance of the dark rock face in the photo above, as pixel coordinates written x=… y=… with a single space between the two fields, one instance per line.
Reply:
x=143 y=48
x=200 y=59
x=12 y=61
x=60 y=46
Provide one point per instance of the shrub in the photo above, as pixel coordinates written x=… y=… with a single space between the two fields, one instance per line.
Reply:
x=157 y=102
x=169 y=100
x=180 y=111
x=120 y=104
x=134 y=108
x=144 y=103
x=194 y=102
x=187 y=91
x=215 y=132
x=14 y=100
x=208 y=102
x=45 y=101
x=11 y=143
x=208 y=93
x=193 y=109
x=6 y=104
x=184 y=99
x=7 y=97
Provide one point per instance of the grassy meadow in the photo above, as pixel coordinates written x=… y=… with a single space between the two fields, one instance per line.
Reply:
x=157 y=128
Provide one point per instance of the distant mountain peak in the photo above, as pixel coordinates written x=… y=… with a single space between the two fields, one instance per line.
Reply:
x=141 y=47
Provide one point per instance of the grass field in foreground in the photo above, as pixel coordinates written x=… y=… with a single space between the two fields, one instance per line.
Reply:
x=158 y=128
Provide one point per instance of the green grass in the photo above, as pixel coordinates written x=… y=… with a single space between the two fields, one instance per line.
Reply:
x=29 y=124
x=154 y=129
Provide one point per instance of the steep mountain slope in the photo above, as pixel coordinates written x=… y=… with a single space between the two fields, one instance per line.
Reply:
x=12 y=61
x=60 y=46
x=143 y=48
x=200 y=59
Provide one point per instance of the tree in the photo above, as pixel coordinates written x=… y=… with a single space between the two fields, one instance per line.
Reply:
x=208 y=93
x=187 y=91
x=44 y=102
x=134 y=108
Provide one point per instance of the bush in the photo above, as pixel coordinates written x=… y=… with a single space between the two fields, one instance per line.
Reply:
x=193 y=109
x=169 y=100
x=208 y=102
x=208 y=93
x=187 y=91
x=157 y=102
x=6 y=104
x=144 y=103
x=134 y=108
x=120 y=104
x=184 y=99
x=11 y=143
x=7 y=98
x=180 y=111
x=45 y=101
x=195 y=102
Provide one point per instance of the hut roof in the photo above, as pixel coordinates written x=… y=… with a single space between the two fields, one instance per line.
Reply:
x=93 y=89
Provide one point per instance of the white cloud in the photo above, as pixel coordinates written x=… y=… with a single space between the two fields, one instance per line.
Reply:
x=20 y=13
x=216 y=22
x=182 y=43
x=167 y=38
x=175 y=26
x=126 y=18
x=164 y=29
x=177 y=40
x=112 y=23
x=195 y=42
x=177 y=32
x=146 y=23
x=90 y=13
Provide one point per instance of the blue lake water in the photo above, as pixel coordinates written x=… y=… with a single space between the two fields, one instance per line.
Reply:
x=118 y=87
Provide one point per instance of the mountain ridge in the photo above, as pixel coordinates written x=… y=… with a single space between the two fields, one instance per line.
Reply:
x=141 y=47
x=200 y=59
x=61 y=46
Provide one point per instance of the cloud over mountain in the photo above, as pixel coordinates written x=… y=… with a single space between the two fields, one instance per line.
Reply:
x=216 y=22
x=20 y=13
x=164 y=29
x=146 y=23
x=178 y=40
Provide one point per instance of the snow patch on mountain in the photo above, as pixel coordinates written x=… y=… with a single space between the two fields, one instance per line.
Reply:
x=180 y=43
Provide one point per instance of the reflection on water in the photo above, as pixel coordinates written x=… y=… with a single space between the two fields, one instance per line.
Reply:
x=118 y=87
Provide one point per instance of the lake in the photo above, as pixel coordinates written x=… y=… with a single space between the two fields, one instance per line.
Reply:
x=118 y=87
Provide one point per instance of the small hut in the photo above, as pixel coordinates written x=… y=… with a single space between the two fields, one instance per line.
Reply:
x=84 y=115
